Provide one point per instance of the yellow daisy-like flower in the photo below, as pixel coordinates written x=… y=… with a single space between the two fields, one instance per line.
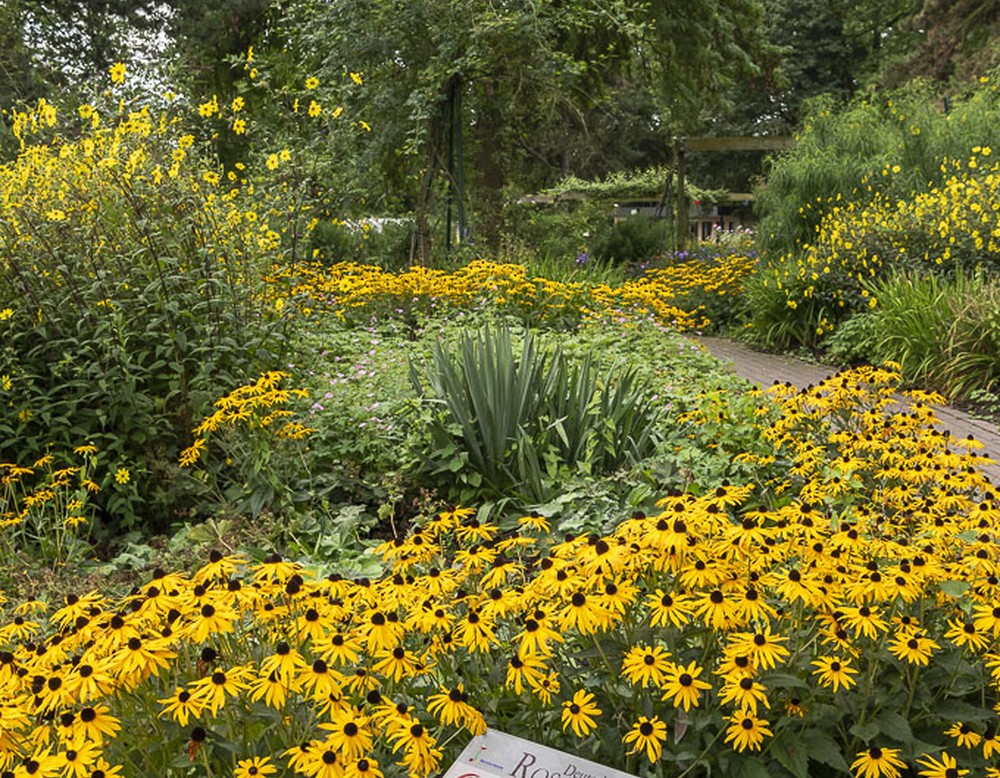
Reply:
x=579 y=713
x=877 y=762
x=312 y=82
x=255 y=766
x=682 y=685
x=117 y=72
x=946 y=768
x=122 y=475
x=649 y=735
x=747 y=731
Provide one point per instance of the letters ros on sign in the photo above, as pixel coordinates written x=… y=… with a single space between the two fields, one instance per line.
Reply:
x=499 y=755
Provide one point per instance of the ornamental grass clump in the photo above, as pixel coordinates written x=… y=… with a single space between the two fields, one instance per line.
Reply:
x=837 y=613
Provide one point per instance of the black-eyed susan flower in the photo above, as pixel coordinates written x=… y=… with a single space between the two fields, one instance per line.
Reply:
x=450 y=706
x=876 y=762
x=834 y=672
x=254 y=766
x=682 y=687
x=523 y=670
x=79 y=758
x=746 y=731
x=583 y=613
x=579 y=713
x=666 y=608
x=964 y=633
x=763 y=647
x=182 y=706
x=991 y=741
x=647 y=735
x=396 y=664
x=362 y=768
x=96 y=722
x=350 y=735
x=915 y=649
x=965 y=736
x=864 y=620
x=646 y=664
x=745 y=693
x=545 y=686
x=946 y=767
x=537 y=635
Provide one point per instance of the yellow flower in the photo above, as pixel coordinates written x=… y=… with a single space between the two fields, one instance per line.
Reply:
x=258 y=765
x=312 y=82
x=118 y=73
x=649 y=735
x=315 y=109
x=356 y=78
x=239 y=126
x=122 y=475
x=272 y=162
x=237 y=104
x=876 y=762
x=579 y=713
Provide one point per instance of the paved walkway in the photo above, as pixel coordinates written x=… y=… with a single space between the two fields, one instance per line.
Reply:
x=764 y=369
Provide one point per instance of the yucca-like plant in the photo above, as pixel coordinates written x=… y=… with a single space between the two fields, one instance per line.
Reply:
x=518 y=417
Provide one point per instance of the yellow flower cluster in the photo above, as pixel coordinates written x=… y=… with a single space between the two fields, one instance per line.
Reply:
x=956 y=222
x=351 y=289
x=256 y=405
x=867 y=543
x=62 y=181
x=43 y=504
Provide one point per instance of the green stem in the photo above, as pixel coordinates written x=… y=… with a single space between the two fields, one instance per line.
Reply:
x=701 y=756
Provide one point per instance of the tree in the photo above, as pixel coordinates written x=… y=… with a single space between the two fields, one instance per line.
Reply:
x=533 y=81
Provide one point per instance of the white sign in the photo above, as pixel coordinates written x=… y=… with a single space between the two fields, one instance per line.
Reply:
x=498 y=755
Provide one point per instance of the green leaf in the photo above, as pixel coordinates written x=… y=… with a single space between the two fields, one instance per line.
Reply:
x=954 y=588
x=749 y=767
x=792 y=754
x=824 y=749
x=865 y=731
x=894 y=726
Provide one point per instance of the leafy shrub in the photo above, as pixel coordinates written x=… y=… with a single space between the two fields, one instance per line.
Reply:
x=944 y=229
x=134 y=276
x=384 y=242
x=841 y=153
x=634 y=241
x=517 y=418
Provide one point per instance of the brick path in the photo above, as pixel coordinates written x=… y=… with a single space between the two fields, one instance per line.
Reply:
x=764 y=369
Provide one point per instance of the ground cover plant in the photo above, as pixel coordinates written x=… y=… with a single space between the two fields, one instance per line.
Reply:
x=832 y=613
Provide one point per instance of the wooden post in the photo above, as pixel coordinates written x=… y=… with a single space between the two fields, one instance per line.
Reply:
x=680 y=200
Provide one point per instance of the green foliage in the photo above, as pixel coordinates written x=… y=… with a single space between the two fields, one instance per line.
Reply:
x=634 y=241
x=133 y=304
x=945 y=333
x=384 y=242
x=841 y=152
x=557 y=233
x=514 y=420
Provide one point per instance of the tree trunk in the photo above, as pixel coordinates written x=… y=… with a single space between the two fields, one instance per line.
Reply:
x=490 y=177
